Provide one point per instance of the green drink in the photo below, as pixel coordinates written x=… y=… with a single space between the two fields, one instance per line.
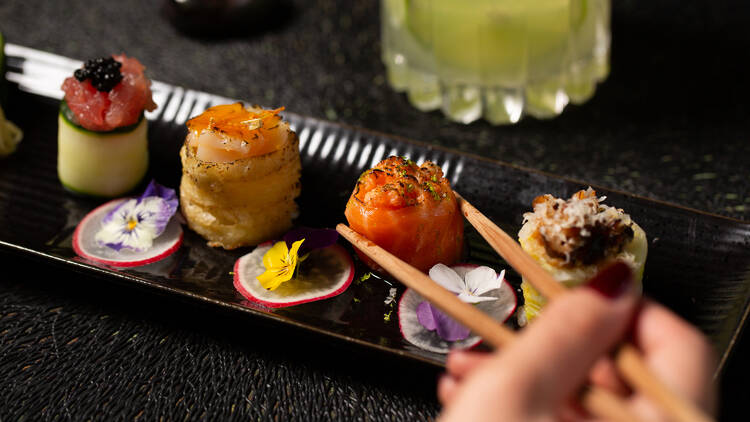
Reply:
x=496 y=59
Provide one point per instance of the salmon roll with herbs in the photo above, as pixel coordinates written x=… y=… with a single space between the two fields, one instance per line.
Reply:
x=240 y=175
x=573 y=239
x=408 y=210
x=102 y=131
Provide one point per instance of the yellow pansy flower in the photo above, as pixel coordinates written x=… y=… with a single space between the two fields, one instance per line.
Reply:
x=280 y=263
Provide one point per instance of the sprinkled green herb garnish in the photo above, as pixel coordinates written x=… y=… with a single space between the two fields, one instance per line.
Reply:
x=387 y=317
x=408 y=161
x=434 y=178
x=364 y=277
x=432 y=190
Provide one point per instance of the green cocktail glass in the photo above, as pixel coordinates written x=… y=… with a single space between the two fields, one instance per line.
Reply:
x=496 y=59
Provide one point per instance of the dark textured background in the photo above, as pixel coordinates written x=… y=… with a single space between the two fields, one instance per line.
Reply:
x=670 y=123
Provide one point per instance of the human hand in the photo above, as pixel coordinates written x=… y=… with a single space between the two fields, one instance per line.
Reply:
x=537 y=377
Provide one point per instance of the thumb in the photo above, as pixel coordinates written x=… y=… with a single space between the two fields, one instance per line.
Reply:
x=555 y=354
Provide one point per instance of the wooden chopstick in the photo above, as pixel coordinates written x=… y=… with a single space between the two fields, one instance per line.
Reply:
x=596 y=400
x=628 y=359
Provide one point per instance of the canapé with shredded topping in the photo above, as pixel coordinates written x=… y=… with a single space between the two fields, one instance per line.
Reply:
x=572 y=239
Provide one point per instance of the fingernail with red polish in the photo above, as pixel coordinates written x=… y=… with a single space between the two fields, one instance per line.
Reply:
x=612 y=281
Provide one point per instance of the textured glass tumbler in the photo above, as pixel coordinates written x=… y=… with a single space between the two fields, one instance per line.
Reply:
x=495 y=59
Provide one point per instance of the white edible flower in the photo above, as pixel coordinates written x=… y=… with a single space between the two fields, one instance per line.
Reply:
x=472 y=286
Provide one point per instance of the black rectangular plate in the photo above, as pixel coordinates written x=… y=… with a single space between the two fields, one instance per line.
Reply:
x=698 y=264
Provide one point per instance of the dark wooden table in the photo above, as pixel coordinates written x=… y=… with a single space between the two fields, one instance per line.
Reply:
x=670 y=123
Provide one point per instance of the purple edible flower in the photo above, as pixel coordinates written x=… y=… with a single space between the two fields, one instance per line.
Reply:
x=446 y=327
x=314 y=239
x=163 y=192
x=135 y=223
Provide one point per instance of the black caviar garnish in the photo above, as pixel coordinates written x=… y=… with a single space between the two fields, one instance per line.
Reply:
x=103 y=72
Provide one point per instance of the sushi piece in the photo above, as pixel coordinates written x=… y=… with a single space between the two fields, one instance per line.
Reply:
x=573 y=239
x=408 y=210
x=240 y=175
x=102 y=132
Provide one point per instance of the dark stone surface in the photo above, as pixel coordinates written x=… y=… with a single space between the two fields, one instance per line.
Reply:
x=670 y=123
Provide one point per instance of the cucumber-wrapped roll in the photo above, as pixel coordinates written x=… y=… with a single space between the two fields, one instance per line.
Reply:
x=573 y=239
x=100 y=163
x=102 y=135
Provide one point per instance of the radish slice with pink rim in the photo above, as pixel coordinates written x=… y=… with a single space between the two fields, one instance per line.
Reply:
x=328 y=272
x=85 y=245
x=416 y=334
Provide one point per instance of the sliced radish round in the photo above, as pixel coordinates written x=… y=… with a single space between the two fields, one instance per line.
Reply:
x=330 y=272
x=413 y=331
x=85 y=245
